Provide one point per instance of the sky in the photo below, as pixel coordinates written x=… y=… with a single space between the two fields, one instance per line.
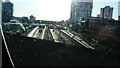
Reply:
x=56 y=10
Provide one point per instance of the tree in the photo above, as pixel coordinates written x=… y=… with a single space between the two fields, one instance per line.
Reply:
x=75 y=27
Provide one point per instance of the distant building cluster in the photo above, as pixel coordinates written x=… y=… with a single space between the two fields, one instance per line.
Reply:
x=25 y=19
x=7 y=14
x=103 y=24
x=7 y=11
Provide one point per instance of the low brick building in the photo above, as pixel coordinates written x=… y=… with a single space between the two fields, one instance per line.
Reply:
x=104 y=27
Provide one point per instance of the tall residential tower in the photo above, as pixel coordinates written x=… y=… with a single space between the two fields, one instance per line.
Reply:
x=7 y=11
x=106 y=12
x=81 y=10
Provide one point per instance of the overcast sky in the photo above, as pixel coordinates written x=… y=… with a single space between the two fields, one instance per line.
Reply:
x=56 y=9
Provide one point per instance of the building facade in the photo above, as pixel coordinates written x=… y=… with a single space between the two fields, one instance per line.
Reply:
x=32 y=18
x=119 y=17
x=106 y=12
x=104 y=27
x=7 y=11
x=119 y=10
x=81 y=10
x=24 y=19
